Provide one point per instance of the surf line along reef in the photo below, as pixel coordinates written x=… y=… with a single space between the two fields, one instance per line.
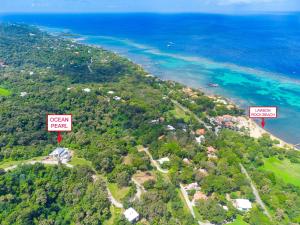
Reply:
x=199 y=136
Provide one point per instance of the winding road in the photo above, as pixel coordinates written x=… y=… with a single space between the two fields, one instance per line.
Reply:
x=54 y=162
x=139 y=189
x=154 y=162
x=113 y=200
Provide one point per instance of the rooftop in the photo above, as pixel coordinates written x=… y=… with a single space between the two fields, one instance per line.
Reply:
x=131 y=215
x=242 y=204
x=86 y=90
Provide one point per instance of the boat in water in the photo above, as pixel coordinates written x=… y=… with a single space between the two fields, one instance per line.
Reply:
x=213 y=85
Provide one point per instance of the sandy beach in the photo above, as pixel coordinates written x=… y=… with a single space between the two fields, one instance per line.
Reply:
x=256 y=131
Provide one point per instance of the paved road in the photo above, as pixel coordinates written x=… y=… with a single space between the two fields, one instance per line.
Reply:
x=255 y=192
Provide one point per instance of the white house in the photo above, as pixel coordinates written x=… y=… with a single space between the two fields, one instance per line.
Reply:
x=23 y=94
x=242 y=204
x=163 y=160
x=171 y=128
x=154 y=121
x=200 y=139
x=86 y=90
x=131 y=215
x=61 y=154
x=117 y=98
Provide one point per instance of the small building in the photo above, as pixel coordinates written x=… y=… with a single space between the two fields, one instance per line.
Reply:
x=163 y=160
x=242 y=204
x=192 y=186
x=61 y=154
x=110 y=92
x=199 y=196
x=87 y=90
x=170 y=128
x=131 y=215
x=200 y=139
x=156 y=121
x=211 y=150
x=225 y=207
x=203 y=172
x=212 y=156
x=117 y=98
x=229 y=125
x=2 y=64
x=149 y=75
x=23 y=94
x=222 y=101
x=200 y=132
x=186 y=161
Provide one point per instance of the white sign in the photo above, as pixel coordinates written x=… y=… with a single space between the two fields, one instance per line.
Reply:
x=59 y=123
x=263 y=112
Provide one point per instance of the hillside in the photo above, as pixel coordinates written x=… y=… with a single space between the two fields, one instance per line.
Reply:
x=124 y=121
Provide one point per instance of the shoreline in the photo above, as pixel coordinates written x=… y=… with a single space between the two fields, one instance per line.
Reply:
x=255 y=130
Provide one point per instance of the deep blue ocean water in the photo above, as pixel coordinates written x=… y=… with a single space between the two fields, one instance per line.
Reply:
x=254 y=58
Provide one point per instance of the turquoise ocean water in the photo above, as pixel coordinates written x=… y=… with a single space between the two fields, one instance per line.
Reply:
x=254 y=65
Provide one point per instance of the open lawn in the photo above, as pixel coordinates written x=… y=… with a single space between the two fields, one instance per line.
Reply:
x=180 y=114
x=75 y=161
x=9 y=163
x=239 y=221
x=118 y=193
x=115 y=213
x=4 y=92
x=285 y=170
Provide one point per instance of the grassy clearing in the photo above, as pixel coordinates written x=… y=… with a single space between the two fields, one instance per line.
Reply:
x=180 y=114
x=118 y=193
x=285 y=170
x=75 y=161
x=4 y=92
x=115 y=213
x=9 y=163
x=239 y=221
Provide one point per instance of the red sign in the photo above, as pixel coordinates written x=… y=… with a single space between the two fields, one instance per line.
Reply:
x=263 y=112
x=59 y=123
